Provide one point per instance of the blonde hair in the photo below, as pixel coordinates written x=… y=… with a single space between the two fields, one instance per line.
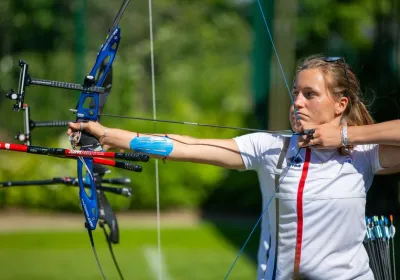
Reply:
x=334 y=73
x=339 y=85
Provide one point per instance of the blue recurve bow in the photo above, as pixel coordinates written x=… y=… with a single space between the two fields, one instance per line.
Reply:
x=88 y=109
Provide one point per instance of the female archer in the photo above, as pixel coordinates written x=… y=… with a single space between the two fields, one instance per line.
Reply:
x=315 y=224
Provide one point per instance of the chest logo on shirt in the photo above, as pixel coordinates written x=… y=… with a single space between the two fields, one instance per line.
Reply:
x=295 y=161
x=348 y=160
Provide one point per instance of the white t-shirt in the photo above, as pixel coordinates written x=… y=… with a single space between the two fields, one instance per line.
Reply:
x=317 y=214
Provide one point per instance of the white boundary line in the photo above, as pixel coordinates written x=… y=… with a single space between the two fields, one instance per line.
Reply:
x=155 y=261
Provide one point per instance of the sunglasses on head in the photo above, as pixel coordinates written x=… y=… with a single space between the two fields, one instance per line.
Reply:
x=342 y=62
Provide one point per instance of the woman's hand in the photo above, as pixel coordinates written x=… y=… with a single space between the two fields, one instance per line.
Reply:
x=326 y=136
x=94 y=128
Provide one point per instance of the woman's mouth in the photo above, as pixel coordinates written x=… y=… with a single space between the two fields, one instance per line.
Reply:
x=298 y=116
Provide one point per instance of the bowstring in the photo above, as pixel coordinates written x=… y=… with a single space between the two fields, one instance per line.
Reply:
x=156 y=161
x=277 y=58
x=73 y=139
x=290 y=165
x=157 y=181
x=262 y=214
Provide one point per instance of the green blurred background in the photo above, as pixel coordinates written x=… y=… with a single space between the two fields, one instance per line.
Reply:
x=213 y=64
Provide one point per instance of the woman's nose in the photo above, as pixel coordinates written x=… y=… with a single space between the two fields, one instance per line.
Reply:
x=298 y=100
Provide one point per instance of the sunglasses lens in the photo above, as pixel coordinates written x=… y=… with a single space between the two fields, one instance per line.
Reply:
x=333 y=59
x=340 y=59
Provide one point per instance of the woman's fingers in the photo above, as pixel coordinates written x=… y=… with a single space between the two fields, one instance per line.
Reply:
x=325 y=136
x=310 y=139
x=73 y=127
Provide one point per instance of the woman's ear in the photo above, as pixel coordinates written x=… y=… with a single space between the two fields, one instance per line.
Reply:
x=341 y=105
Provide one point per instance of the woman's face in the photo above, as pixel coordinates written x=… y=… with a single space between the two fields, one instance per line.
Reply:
x=313 y=102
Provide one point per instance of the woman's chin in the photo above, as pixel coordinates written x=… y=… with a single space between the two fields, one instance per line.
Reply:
x=297 y=128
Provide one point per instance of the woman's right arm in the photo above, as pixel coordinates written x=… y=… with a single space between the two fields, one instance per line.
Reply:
x=218 y=152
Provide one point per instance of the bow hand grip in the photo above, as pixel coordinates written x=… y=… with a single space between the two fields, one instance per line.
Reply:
x=89 y=142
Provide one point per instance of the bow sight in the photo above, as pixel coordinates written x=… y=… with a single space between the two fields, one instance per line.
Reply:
x=25 y=80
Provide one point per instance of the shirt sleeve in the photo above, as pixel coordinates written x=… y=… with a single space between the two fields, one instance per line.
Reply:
x=372 y=154
x=253 y=147
x=376 y=165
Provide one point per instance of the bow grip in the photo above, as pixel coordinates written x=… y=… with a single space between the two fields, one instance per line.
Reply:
x=89 y=203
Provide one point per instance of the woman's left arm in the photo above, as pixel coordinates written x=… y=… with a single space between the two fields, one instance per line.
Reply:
x=389 y=158
x=387 y=135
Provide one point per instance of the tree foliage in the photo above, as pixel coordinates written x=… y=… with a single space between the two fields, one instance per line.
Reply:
x=202 y=74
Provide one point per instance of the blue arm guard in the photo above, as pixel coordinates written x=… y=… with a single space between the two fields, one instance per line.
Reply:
x=155 y=145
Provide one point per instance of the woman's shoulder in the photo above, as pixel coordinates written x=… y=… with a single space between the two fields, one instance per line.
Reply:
x=261 y=149
x=263 y=139
x=366 y=155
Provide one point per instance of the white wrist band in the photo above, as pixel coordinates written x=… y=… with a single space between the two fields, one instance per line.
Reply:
x=344 y=136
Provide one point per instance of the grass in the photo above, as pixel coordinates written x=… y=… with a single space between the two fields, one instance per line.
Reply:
x=199 y=252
